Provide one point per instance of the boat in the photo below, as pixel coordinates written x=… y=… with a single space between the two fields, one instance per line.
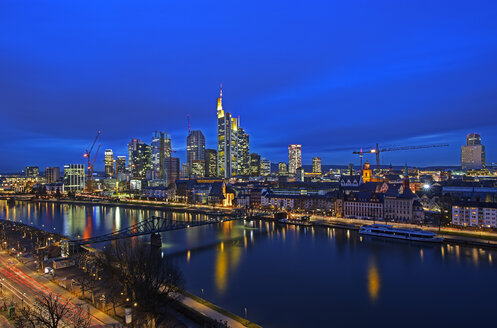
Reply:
x=388 y=231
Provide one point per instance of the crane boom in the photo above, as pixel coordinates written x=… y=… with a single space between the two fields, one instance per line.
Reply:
x=413 y=147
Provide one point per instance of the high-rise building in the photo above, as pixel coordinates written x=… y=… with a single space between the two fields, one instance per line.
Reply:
x=140 y=158
x=52 y=174
x=195 y=147
x=210 y=163
x=161 y=149
x=265 y=167
x=243 y=152
x=473 y=153
x=255 y=164
x=300 y=174
x=316 y=165
x=109 y=163
x=197 y=168
x=282 y=169
x=294 y=158
x=171 y=166
x=227 y=141
x=32 y=171
x=74 y=177
x=120 y=164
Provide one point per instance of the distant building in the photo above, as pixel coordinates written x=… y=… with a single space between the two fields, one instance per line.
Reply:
x=161 y=150
x=475 y=214
x=120 y=164
x=300 y=174
x=195 y=147
x=227 y=141
x=52 y=174
x=210 y=163
x=255 y=164
x=109 y=163
x=243 y=152
x=32 y=171
x=473 y=153
x=74 y=177
x=294 y=158
x=316 y=165
x=282 y=169
x=265 y=167
x=140 y=158
x=171 y=166
x=197 y=168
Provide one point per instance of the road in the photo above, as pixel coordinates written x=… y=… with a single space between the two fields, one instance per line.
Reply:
x=27 y=286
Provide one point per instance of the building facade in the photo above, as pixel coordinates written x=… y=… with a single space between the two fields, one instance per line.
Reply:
x=294 y=158
x=161 y=150
x=140 y=158
x=74 y=177
x=243 y=152
x=473 y=153
x=475 y=214
x=109 y=163
x=211 y=163
x=227 y=141
x=52 y=174
x=282 y=169
x=255 y=165
x=265 y=167
x=316 y=165
x=195 y=147
x=32 y=171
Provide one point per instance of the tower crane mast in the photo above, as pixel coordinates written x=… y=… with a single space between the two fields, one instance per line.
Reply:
x=91 y=163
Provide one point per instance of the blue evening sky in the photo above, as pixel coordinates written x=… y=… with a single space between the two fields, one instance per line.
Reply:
x=332 y=75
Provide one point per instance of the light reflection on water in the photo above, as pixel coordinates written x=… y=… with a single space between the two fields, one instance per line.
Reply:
x=288 y=276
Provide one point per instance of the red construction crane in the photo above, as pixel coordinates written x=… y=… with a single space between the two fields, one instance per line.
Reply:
x=87 y=154
x=378 y=151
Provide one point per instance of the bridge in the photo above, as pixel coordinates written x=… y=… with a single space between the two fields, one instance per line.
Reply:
x=154 y=225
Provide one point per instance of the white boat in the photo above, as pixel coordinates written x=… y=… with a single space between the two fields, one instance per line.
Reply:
x=387 y=231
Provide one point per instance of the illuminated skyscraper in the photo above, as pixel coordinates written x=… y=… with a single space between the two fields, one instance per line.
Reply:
x=32 y=171
x=171 y=166
x=265 y=167
x=109 y=163
x=243 y=152
x=294 y=158
x=195 y=147
x=161 y=150
x=255 y=165
x=473 y=154
x=140 y=158
x=210 y=163
x=120 y=165
x=316 y=165
x=227 y=141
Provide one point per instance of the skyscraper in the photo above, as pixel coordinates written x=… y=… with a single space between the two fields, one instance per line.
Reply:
x=316 y=165
x=171 y=166
x=243 y=152
x=52 y=174
x=294 y=158
x=74 y=177
x=32 y=171
x=195 y=147
x=473 y=153
x=161 y=149
x=265 y=167
x=255 y=164
x=227 y=141
x=120 y=165
x=140 y=158
x=109 y=163
x=210 y=163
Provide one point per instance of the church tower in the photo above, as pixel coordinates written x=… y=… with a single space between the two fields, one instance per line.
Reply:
x=367 y=172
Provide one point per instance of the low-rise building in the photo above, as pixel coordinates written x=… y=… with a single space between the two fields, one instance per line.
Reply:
x=475 y=214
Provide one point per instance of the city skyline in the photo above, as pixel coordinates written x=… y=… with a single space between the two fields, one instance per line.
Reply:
x=356 y=88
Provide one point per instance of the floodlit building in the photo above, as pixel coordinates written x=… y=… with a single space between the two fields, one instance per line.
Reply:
x=243 y=152
x=294 y=158
x=195 y=147
x=473 y=153
x=74 y=177
x=255 y=164
x=475 y=214
x=227 y=141
x=316 y=165
x=109 y=163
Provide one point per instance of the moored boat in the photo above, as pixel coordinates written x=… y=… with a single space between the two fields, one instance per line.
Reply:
x=388 y=231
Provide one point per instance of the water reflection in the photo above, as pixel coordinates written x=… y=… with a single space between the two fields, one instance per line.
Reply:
x=373 y=281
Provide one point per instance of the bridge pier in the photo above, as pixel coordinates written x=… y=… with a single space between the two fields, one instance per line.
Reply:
x=156 y=240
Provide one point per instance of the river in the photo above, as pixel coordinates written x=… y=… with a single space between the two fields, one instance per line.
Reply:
x=284 y=276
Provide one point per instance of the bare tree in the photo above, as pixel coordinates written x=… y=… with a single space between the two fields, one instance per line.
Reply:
x=84 y=282
x=149 y=279
x=49 y=311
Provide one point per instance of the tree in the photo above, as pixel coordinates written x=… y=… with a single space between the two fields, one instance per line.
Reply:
x=150 y=280
x=84 y=283
x=49 y=311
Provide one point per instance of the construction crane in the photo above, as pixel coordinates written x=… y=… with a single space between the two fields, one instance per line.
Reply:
x=378 y=151
x=87 y=154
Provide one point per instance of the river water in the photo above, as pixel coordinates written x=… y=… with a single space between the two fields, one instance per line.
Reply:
x=284 y=276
